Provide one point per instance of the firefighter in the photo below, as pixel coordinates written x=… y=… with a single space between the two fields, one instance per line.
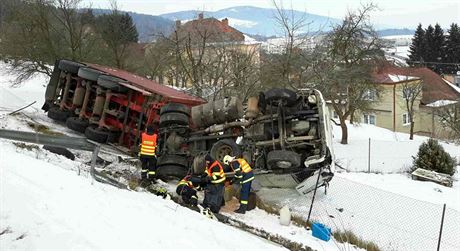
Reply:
x=186 y=189
x=147 y=154
x=214 y=191
x=244 y=175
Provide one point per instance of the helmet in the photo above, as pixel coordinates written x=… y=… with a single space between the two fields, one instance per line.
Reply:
x=228 y=159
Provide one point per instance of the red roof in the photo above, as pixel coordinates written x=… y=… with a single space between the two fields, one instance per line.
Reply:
x=217 y=31
x=434 y=87
x=168 y=93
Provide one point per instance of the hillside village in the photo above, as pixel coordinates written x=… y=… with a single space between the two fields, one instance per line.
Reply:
x=345 y=130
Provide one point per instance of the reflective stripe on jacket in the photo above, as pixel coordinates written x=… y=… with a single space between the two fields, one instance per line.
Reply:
x=149 y=144
x=216 y=172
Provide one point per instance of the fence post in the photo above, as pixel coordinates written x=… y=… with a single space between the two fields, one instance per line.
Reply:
x=314 y=194
x=369 y=157
x=442 y=224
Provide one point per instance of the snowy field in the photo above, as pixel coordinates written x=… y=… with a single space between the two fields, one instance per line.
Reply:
x=43 y=199
x=45 y=204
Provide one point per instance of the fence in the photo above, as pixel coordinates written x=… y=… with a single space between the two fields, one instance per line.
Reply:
x=382 y=156
x=391 y=221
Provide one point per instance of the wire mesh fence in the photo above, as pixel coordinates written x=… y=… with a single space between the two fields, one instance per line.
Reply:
x=382 y=156
x=391 y=221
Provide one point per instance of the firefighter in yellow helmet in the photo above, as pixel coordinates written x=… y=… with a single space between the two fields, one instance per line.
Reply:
x=147 y=154
x=244 y=175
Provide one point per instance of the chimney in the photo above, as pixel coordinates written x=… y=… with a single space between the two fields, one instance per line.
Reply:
x=225 y=22
x=178 y=23
x=200 y=16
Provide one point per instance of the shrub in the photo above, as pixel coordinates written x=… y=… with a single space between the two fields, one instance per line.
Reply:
x=432 y=156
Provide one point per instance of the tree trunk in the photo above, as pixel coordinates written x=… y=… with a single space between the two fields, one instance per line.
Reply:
x=344 y=131
x=411 y=137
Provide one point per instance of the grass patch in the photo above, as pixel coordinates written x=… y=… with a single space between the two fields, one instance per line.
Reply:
x=350 y=237
x=42 y=129
x=29 y=147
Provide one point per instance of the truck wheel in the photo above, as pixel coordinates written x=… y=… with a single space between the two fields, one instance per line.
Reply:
x=77 y=124
x=96 y=134
x=175 y=107
x=69 y=66
x=172 y=118
x=276 y=94
x=168 y=172
x=112 y=83
x=57 y=114
x=172 y=166
x=283 y=159
x=89 y=74
x=224 y=147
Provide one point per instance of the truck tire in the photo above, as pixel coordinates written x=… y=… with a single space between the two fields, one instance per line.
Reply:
x=283 y=159
x=69 y=66
x=89 y=74
x=57 y=114
x=77 y=124
x=168 y=172
x=224 y=147
x=172 y=166
x=276 y=94
x=175 y=107
x=173 y=118
x=112 y=83
x=96 y=134
x=61 y=151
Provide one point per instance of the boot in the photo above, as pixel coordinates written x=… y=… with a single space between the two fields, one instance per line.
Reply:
x=242 y=209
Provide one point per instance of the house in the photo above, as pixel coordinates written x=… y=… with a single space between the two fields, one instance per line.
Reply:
x=208 y=43
x=390 y=109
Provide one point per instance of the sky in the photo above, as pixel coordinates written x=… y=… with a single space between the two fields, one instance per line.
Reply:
x=394 y=13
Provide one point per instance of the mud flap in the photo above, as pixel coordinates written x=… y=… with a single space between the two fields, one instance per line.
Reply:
x=309 y=183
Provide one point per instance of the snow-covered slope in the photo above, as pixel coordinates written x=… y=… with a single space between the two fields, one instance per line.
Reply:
x=46 y=207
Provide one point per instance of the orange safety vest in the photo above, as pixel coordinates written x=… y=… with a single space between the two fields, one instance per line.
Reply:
x=245 y=167
x=217 y=176
x=149 y=144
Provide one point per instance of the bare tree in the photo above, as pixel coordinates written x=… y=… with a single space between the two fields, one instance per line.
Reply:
x=450 y=119
x=343 y=64
x=35 y=33
x=411 y=91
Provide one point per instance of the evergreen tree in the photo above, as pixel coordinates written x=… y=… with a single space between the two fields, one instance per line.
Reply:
x=453 y=47
x=417 y=48
x=432 y=156
x=429 y=54
x=439 y=46
x=118 y=31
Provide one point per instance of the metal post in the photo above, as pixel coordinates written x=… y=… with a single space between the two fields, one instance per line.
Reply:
x=93 y=162
x=369 y=157
x=442 y=224
x=314 y=194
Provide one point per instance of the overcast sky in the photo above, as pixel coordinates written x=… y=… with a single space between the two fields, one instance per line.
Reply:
x=398 y=13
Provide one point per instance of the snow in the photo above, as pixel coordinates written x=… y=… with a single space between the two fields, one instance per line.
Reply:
x=45 y=204
x=456 y=88
x=56 y=209
x=241 y=22
x=399 y=78
x=440 y=103
x=391 y=152
x=42 y=197
x=250 y=40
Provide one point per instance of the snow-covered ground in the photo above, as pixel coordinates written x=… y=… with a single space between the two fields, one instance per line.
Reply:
x=42 y=197
x=45 y=204
x=391 y=152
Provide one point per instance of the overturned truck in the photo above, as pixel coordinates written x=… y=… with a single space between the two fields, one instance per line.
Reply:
x=285 y=135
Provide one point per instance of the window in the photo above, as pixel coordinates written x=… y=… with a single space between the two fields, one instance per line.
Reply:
x=369 y=119
x=406 y=119
x=370 y=95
